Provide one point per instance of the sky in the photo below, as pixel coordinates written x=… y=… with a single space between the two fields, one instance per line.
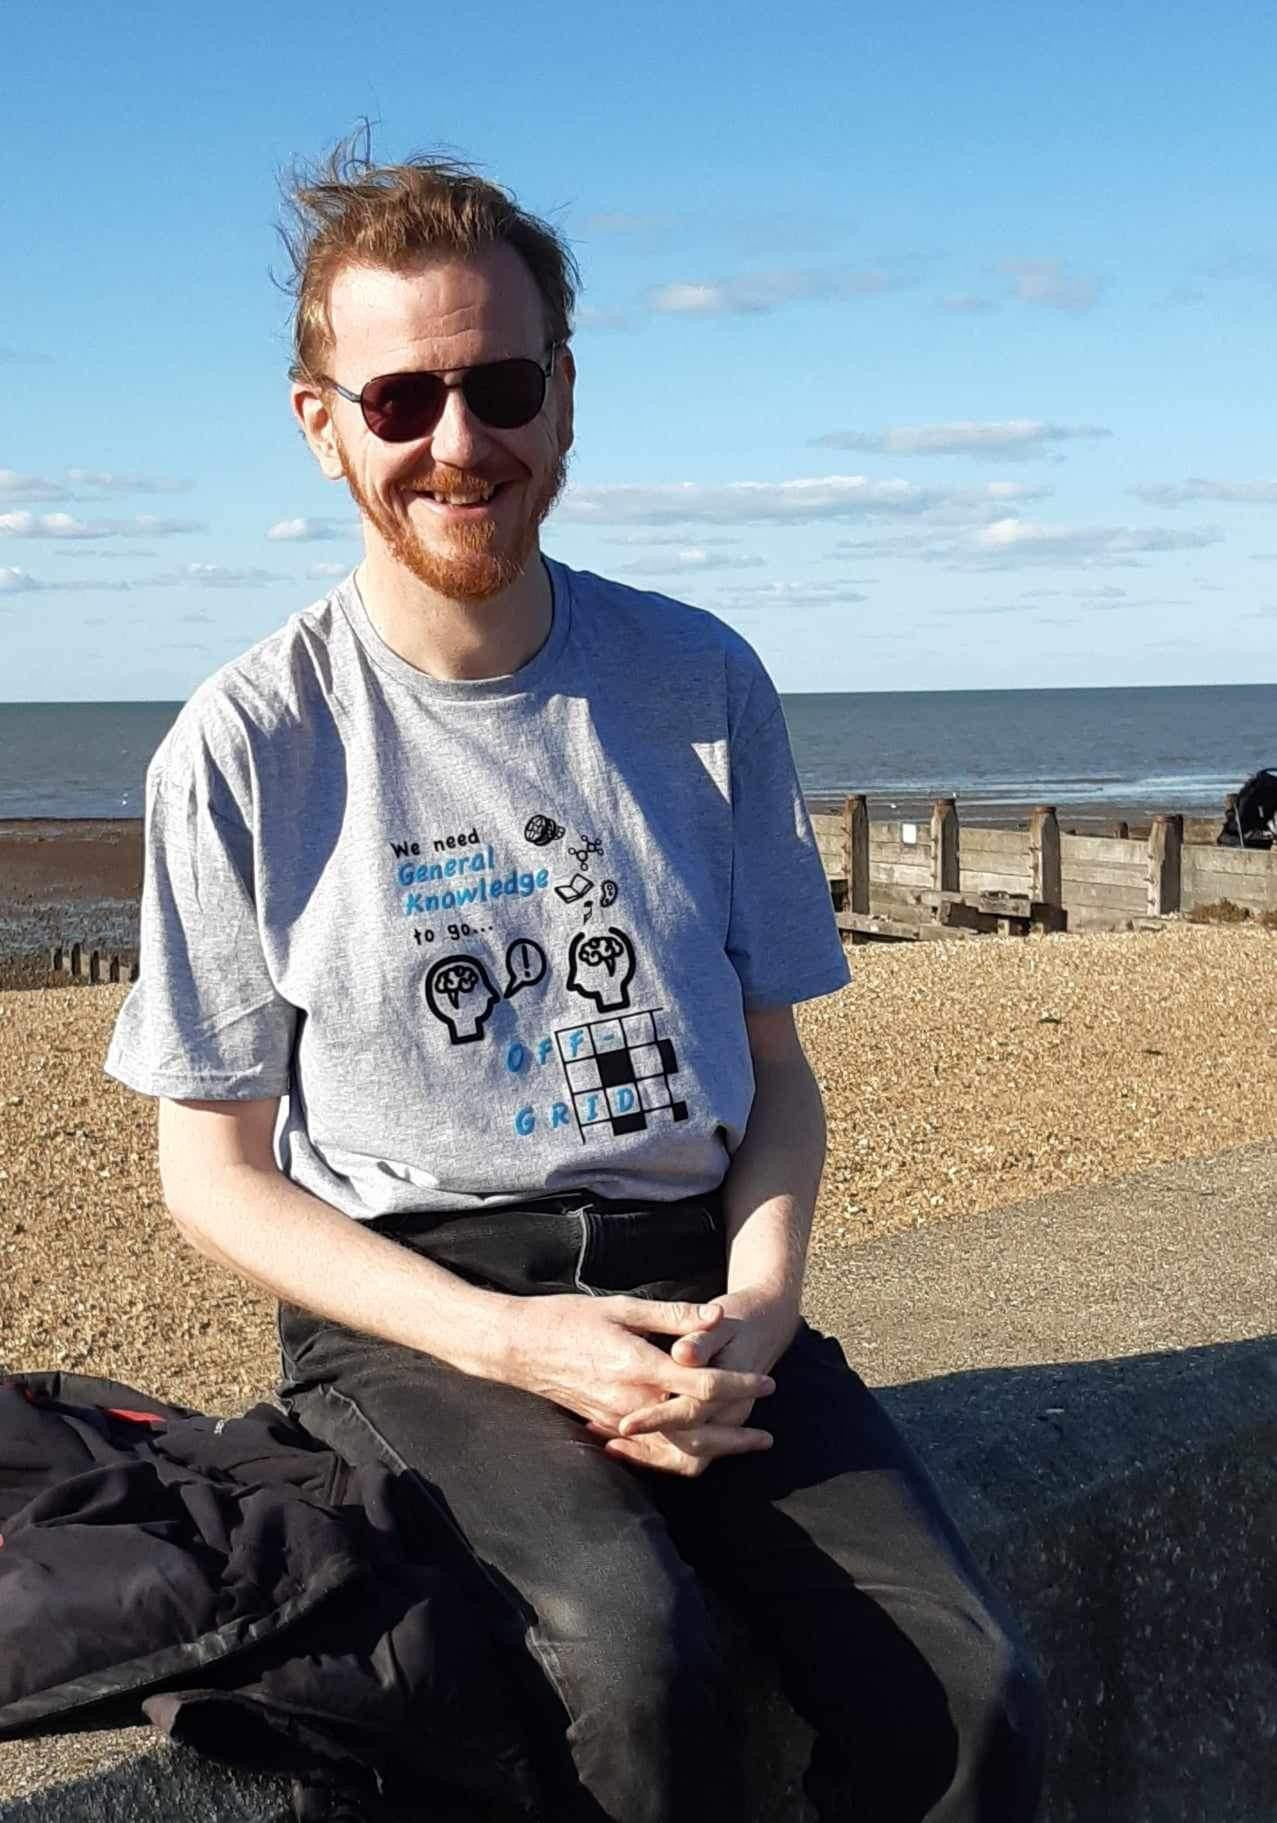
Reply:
x=930 y=347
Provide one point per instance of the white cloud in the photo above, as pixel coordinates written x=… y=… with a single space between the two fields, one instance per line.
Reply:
x=309 y=531
x=966 y=304
x=15 y=486
x=801 y=502
x=750 y=293
x=212 y=576
x=84 y=484
x=686 y=561
x=324 y=572
x=24 y=524
x=1013 y=439
x=646 y=539
x=152 y=527
x=48 y=525
x=607 y=321
x=1179 y=493
x=793 y=594
x=1046 y=282
x=21 y=582
x=1011 y=543
x=107 y=481
x=200 y=575
x=1106 y=592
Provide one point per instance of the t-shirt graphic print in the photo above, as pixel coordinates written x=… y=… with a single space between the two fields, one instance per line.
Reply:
x=487 y=939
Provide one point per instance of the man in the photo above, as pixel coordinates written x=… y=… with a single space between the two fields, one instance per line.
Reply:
x=499 y=876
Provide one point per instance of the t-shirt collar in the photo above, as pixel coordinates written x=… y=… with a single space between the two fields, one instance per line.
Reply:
x=529 y=677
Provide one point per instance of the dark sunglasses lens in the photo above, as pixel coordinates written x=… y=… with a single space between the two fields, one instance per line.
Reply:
x=505 y=394
x=399 y=407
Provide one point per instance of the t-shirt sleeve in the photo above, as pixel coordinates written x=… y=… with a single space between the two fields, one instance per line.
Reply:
x=204 y=1021
x=782 y=937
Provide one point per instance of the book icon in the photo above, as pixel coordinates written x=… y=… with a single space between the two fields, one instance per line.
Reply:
x=576 y=888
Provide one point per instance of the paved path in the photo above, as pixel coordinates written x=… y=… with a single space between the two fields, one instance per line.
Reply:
x=1163 y=1264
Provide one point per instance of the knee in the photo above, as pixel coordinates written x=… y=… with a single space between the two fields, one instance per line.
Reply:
x=998 y=1704
x=957 y=1733
x=1014 y=1736
x=650 y=1641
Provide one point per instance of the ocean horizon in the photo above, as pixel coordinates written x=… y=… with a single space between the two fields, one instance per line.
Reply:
x=1155 y=747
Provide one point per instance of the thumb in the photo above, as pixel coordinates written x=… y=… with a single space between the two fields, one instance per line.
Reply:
x=665 y=1319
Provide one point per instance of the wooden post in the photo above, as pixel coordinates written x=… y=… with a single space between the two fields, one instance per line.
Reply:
x=1044 y=849
x=855 y=852
x=1165 y=843
x=945 y=856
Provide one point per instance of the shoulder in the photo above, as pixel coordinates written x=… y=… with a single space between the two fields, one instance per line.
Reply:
x=267 y=695
x=665 y=638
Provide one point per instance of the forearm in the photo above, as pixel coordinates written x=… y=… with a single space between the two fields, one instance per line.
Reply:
x=277 y=1236
x=769 y=1192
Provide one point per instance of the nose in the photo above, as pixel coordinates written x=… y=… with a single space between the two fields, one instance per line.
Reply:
x=458 y=439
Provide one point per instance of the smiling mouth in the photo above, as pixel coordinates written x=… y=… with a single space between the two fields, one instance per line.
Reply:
x=479 y=496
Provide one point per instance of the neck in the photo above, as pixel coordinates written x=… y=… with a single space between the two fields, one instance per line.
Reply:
x=456 y=640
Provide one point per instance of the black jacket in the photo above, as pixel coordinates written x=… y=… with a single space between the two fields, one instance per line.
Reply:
x=245 y=1590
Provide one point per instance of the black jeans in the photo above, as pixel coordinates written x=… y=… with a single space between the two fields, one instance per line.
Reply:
x=833 y=1546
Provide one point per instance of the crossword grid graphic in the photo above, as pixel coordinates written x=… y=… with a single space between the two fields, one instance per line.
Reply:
x=618 y=1073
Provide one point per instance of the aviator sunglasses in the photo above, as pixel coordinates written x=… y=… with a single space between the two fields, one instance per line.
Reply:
x=400 y=407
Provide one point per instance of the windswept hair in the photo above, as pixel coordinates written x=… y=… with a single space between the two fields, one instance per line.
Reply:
x=349 y=212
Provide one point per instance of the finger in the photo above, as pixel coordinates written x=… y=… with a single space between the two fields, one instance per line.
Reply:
x=685 y=1449
x=700 y=1347
x=657 y=1317
x=711 y=1385
x=678 y=1414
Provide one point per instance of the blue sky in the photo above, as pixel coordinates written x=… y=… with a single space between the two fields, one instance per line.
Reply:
x=931 y=351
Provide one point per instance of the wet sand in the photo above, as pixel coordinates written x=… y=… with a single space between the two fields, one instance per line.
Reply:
x=65 y=880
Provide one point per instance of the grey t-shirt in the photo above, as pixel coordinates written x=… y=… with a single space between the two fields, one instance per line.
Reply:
x=489 y=939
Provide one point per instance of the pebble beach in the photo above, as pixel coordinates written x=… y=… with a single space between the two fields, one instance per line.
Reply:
x=957 y=1077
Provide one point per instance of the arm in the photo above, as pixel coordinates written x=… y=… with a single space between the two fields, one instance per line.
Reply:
x=229 y=1199
x=769 y=1195
x=770 y=1188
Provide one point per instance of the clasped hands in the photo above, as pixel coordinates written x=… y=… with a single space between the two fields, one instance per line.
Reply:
x=676 y=1411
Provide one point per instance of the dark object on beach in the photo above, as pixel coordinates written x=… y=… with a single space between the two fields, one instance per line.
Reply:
x=1251 y=820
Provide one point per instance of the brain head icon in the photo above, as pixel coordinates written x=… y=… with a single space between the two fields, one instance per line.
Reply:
x=459 y=991
x=601 y=967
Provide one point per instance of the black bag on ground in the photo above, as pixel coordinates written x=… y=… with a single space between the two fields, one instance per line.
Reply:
x=1252 y=821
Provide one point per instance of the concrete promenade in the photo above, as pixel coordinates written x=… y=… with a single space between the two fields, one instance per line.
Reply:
x=1091 y=1379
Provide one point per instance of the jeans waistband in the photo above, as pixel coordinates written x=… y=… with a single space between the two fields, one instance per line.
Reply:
x=574 y=1241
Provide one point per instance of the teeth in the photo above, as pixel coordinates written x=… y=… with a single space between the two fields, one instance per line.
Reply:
x=463 y=499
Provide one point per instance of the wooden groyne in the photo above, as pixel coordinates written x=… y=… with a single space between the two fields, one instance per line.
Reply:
x=80 y=962
x=937 y=878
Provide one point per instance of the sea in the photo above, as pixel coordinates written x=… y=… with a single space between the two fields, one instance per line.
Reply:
x=998 y=751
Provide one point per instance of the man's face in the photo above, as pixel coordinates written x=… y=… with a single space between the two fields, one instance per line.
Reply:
x=444 y=315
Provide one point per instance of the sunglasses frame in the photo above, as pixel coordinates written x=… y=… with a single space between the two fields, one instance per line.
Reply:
x=357 y=398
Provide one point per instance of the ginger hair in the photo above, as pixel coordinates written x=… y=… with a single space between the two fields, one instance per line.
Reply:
x=348 y=211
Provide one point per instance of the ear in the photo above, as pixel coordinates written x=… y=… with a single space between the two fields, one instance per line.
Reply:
x=565 y=371
x=310 y=408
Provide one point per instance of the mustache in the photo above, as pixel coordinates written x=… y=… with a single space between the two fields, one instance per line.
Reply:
x=455 y=481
